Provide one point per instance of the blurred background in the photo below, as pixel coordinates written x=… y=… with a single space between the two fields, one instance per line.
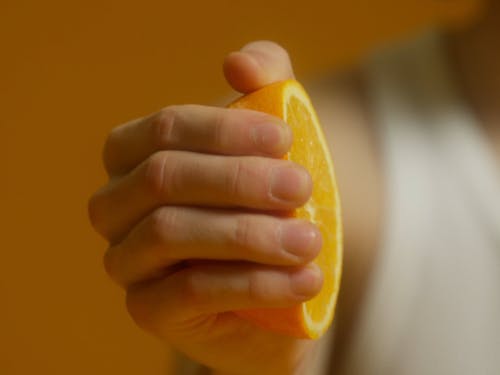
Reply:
x=72 y=70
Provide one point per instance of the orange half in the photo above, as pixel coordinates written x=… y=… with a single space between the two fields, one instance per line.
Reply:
x=289 y=101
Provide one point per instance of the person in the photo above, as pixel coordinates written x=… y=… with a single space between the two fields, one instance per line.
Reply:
x=415 y=136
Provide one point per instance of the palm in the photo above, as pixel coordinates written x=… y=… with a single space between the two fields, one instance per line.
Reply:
x=226 y=341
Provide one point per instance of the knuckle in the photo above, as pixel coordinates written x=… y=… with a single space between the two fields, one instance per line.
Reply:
x=163 y=125
x=218 y=130
x=158 y=174
x=234 y=182
x=163 y=222
x=243 y=231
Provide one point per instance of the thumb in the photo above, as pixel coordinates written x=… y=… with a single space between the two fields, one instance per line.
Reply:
x=256 y=65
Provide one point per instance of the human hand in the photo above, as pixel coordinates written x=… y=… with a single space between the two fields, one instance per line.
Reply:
x=192 y=215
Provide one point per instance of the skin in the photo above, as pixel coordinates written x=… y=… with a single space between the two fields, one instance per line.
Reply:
x=196 y=239
x=198 y=183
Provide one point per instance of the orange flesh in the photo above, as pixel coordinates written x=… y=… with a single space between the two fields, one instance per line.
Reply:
x=288 y=101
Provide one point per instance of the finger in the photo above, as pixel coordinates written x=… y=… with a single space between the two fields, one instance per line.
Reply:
x=185 y=178
x=256 y=65
x=171 y=234
x=212 y=289
x=195 y=128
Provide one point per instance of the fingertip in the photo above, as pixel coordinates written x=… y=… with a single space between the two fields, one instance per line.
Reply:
x=257 y=64
x=272 y=138
x=301 y=238
x=307 y=282
x=290 y=184
x=242 y=71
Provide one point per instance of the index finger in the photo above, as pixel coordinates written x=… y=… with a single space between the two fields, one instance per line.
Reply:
x=196 y=128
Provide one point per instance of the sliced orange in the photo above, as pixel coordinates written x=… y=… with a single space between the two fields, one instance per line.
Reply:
x=289 y=101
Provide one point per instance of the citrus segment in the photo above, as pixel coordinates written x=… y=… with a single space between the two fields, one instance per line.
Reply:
x=289 y=101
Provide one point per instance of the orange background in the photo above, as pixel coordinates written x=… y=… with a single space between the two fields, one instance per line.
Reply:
x=71 y=70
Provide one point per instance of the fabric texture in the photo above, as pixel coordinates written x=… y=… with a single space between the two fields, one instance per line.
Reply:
x=433 y=305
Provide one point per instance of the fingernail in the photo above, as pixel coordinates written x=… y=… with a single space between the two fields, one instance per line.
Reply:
x=290 y=184
x=300 y=238
x=307 y=281
x=272 y=138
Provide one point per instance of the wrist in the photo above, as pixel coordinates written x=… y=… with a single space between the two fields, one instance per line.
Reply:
x=305 y=366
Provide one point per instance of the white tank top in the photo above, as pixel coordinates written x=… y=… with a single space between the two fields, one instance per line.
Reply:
x=433 y=304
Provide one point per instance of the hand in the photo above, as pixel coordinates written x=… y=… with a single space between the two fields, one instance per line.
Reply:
x=191 y=212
